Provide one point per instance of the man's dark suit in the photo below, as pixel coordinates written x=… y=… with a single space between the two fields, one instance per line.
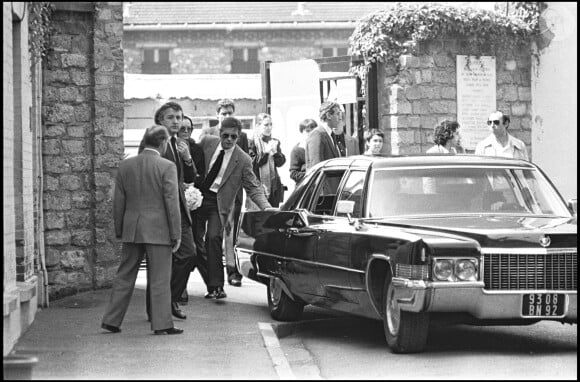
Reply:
x=217 y=211
x=146 y=217
x=319 y=147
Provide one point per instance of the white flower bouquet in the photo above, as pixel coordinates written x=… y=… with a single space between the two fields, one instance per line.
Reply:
x=193 y=197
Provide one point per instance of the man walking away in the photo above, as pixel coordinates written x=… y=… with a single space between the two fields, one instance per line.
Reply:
x=146 y=217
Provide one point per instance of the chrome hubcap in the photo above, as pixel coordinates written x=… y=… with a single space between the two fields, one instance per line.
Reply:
x=393 y=311
x=275 y=291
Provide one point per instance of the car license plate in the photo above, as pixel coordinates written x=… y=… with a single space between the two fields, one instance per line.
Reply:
x=543 y=304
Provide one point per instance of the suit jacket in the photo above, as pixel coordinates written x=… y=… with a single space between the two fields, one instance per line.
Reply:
x=198 y=160
x=238 y=174
x=185 y=173
x=145 y=200
x=319 y=147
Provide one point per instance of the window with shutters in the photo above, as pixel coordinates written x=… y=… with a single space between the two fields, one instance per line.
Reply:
x=156 y=61
x=334 y=52
x=245 y=60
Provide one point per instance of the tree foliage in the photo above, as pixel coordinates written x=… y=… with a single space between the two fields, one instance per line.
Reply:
x=385 y=35
x=39 y=28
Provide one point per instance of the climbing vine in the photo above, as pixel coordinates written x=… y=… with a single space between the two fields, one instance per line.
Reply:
x=385 y=35
x=39 y=28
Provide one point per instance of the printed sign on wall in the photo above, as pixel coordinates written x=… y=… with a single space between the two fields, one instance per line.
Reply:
x=476 y=97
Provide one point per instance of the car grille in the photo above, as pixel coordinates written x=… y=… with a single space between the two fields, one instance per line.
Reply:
x=551 y=271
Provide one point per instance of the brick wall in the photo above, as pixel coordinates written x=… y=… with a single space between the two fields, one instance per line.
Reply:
x=424 y=92
x=82 y=146
x=210 y=52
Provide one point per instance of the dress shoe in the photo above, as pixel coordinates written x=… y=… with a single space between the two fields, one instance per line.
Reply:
x=235 y=279
x=111 y=328
x=219 y=293
x=169 y=331
x=210 y=293
x=176 y=311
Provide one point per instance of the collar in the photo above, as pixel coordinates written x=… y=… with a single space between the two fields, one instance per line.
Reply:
x=327 y=129
x=150 y=149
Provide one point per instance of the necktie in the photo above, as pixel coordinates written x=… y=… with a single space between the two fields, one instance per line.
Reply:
x=212 y=174
x=176 y=156
x=339 y=145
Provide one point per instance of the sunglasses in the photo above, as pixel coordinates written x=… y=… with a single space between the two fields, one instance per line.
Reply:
x=232 y=136
x=496 y=122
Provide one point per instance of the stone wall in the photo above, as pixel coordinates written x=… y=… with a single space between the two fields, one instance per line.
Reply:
x=210 y=52
x=424 y=92
x=82 y=145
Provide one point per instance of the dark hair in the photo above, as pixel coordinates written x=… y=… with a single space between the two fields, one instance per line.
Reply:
x=372 y=132
x=327 y=107
x=189 y=119
x=444 y=132
x=155 y=135
x=230 y=122
x=165 y=106
x=504 y=119
x=307 y=123
x=223 y=103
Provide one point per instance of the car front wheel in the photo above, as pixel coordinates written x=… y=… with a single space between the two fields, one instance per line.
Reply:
x=406 y=332
x=282 y=307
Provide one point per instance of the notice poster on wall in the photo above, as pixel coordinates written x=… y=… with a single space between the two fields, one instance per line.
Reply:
x=476 y=97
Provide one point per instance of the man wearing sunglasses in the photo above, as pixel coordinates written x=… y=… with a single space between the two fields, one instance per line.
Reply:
x=229 y=168
x=499 y=143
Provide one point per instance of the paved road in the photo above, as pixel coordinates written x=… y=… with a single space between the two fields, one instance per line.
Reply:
x=356 y=349
x=230 y=339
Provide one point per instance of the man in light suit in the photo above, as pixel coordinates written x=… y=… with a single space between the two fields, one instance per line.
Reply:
x=146 y=216
x=319 y=144
x=229 y=169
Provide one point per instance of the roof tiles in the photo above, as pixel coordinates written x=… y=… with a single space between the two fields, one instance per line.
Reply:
x=247 y=12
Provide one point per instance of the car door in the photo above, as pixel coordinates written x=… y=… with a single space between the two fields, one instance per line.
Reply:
x=335 y=244
x=300 y=245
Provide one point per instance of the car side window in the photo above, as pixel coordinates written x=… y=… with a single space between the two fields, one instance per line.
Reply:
x=352 y=190
x=324 y=198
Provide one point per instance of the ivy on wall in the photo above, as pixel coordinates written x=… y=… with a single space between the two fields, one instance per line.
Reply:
x=385 y=35
x=39 y=28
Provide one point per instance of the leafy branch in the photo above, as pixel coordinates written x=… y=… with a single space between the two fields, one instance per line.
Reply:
x=385 y=35
x=39 y=28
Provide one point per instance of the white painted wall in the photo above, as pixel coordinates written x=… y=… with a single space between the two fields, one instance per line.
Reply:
x=554 y=101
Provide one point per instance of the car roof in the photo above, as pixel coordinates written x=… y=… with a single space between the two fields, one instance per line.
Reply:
x=365 y=161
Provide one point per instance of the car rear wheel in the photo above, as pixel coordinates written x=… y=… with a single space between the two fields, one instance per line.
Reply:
x=406 y=332
x=282 y=307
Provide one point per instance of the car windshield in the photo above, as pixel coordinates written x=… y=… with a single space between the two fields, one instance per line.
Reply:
x=461 y=190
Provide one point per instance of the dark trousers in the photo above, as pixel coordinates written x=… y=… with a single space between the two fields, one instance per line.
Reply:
x=208 y=221
x=182 y=262
x=200 y=261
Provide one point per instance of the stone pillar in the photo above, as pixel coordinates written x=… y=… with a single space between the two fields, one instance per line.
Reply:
x=82 y=143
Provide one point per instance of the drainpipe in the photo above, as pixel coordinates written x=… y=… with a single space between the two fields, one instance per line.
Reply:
x=40 y=231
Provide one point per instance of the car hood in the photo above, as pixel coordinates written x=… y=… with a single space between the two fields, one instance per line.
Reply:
x=496 y=231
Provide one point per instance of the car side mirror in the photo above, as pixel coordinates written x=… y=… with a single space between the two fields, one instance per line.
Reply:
x=573 y=206
x=345 y=207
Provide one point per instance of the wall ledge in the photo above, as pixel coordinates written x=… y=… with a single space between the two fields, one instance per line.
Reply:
x=27 y=289
x=10 y=302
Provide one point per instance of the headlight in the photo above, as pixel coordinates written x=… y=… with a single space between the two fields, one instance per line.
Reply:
x=443 y=269
x=451 y=269
x=465 y=270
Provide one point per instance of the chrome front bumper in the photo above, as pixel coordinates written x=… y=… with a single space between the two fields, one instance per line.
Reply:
x=470 y=297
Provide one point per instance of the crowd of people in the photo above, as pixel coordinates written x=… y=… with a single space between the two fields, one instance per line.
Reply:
x=153 y=218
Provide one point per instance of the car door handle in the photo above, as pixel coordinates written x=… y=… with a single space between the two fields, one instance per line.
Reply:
x=297 y=233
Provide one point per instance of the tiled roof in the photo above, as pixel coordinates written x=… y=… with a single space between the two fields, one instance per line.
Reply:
x=246 y=12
